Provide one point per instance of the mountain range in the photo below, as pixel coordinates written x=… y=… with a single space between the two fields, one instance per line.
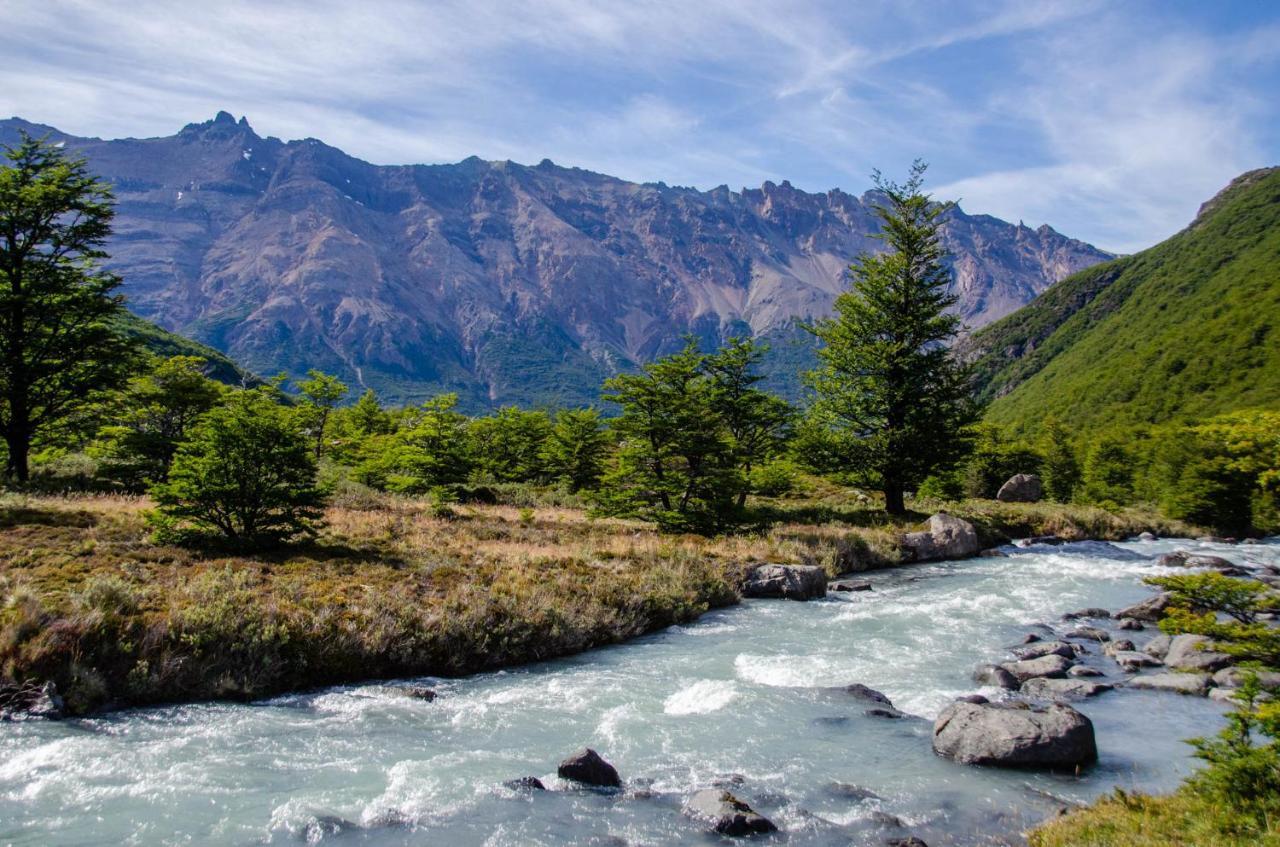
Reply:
x=502 y=282
x=1185 y=330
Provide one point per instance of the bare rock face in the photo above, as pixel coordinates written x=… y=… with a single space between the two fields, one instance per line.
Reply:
x=507 y=283
x=588 y=768
x=947 y=537
x=1021 y=488
x=786 y=582
x=726 y=814
x=1014 y=735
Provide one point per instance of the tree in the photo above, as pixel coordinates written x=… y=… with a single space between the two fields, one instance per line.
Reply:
x=1108 y=471
x=59 y=351
x=674 y=463
x=429 y=449
x=891 y=395
x=158 y=411
x=994 y=458
x=367 y=416
x=758 y=423
x=575 y=449
x=508 y=445
x=321 y=393
x=247 y=471
x=1060 y=468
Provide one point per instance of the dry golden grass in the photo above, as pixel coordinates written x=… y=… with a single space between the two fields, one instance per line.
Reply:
x=391 y=588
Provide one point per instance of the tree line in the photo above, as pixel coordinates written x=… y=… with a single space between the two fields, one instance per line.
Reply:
x=684 y=441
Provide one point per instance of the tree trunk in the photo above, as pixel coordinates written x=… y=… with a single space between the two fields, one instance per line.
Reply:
x=16 y=466
x=893 y=502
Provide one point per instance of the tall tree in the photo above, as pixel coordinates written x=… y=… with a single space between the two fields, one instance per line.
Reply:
x=575 y=449
x=321 y=392
x=59 y=352
x=758 y=423
x=889 y=392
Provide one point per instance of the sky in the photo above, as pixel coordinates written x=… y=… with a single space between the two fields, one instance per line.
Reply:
x=1111 y=122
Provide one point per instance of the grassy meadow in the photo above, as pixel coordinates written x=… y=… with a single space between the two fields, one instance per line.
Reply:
x=395 y=587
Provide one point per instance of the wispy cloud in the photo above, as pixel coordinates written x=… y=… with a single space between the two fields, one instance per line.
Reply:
x=1110 y=122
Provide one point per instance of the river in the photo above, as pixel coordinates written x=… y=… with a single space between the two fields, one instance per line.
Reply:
x=745 y=696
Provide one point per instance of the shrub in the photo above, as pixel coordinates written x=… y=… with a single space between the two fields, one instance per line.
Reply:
x=247 y=472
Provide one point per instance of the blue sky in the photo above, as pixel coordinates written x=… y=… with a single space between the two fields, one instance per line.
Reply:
x=1110 y=121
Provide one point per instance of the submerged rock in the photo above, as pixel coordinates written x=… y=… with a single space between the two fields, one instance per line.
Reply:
x=994 y=675
x=863 y=692
x=1091 y=612
x=1178 y=683
x=786 y=582
x=850 y=585
x=588 y=768
x=1014 y=735
x=910 y=841
x=525 y=783
x=726 y=814
x=849 y=791
x=1021 y=488
x=1052 y=666
x=1052 y=540
x=947 y=537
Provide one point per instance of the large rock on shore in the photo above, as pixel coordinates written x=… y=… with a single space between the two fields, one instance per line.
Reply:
x=588 y=768
x=1014 y=735
x=1021 y=488
x=1178 y=683
x=726 y=814
x=786 y=582
x=947 y=537
x=1151 y=609
x=1190 y=653
x=1052 y=665
x=996 y=676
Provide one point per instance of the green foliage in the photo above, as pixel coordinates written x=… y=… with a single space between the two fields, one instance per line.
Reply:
x=60 y=352
x=994 y=459
x=675 y=462
x=890 y=394
x=1181 y=332
x=948 y=485
x=162 y=344
x=1109 y=472
x=1059 y=467
x=774 y=478
x=509 y=445
x=247 y=472
x=428 y=449
x=321 y=394
x=575 y=449
x=157 y=411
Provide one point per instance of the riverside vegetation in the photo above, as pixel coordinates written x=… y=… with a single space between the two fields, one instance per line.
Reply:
x=173 y=537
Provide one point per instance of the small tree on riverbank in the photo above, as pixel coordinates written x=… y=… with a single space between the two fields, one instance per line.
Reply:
x=247 y=472
x=892 y=400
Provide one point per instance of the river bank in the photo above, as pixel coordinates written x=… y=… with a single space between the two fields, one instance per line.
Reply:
x=394 y=588
x=751 y=696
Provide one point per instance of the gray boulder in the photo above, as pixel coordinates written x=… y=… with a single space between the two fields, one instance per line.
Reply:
x=1178 y=683
x=996 y=676
x=1046 y=648
x=1090 y=612
x=1122 y=645
x=850 y=585
x=1235 y=677
x=1062 y=689
x=1051 y=666
x=1021 y=488
x=525 y=783
x=863 y=692
x=1089 y=633
x=1131 y=625
x=1014 y=735
x=1158 y=646
x=947 y=537
x=726 y=814
x=1151 y=609
x=1132 y=660
x=1147 y=536
x=588 y=768
x=786 y=582
x=1190 y=653
x=1080 y=671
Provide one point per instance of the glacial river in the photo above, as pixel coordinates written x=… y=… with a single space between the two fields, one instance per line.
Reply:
x=745 y=697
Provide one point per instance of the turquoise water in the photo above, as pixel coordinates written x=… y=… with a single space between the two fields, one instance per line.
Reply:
x=745 y=695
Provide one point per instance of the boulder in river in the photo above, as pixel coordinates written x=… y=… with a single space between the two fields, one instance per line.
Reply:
x=996 y=676
x=1158 y=647
x=1052 y=540
x=864 y=692
x=1021 y=488
x=1089 y=633
x=588 y=768
x=1046 y=648
x=525 y=783
x=947 y=537
x=1132 y=660
x=1120 y=645
x=1014 y=735
x=1147 y=536
x=1130 y=625
x=1043 y=688
x=1178 y=683
x=1051 y=666
x=1091 y=612
x=1084 y=671
x=850 y=585
x=910 y=841
x=1151 y=609
x=787 y=582
x=726 y=814
x=1235 y=677
x=1190 y=653
x=33 y=699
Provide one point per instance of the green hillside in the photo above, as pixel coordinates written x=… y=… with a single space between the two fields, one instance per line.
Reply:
x=164 y=344
x=1187 y=329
